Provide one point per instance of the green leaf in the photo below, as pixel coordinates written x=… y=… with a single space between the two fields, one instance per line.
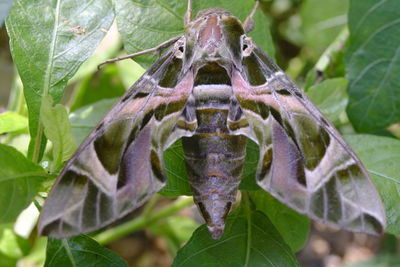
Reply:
x=322 y=23
x=381 y=157
x=385 y=260
x=292 y=226
x=49 y=41
x=146 y=24
x=6 y=261
x=11 y=122
x=5 y=6
x=80 y=251
x=177 y=182
x=250 y=167
x=373 y=64
x=249 y=240
x=9 y=244
x=108 y=48
x=20 y=180
x=58 y=130
x=330 y=97
x=84 y=119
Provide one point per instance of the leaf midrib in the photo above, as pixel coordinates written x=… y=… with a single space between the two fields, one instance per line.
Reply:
x=47 y=78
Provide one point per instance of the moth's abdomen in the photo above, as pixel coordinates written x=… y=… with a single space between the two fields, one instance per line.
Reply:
x=214 y=158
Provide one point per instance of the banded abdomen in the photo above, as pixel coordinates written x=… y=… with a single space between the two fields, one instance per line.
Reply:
x=214 y=158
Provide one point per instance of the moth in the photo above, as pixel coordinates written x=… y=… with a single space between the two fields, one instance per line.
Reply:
x=214 y=89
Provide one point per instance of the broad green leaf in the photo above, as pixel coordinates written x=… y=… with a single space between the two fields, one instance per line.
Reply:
x=80 y=251
x=11 y=122
x=177 y=182
x=330 y=97
x=49 y=41
x=385 y=260
x=373 y=64
x=20 y=180
x=250 y=167
x=381 y=157
x=5 y=6
x=321 y=23
x=249 y=240
x=292 y=226
x=146 y=24
x=84 y=119
x=58 y=130
x=108 y=48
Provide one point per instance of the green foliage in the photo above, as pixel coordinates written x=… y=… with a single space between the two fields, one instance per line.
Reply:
x=94 y=88
x=330 y=97
x=57 y=129
x=11 y=247
x=250 y=239
x=175 y=167
x=20 y=180
x=373 y=64
x=80 y=251
x=292 y=226
x=49 y=47
x=176 y=230
x=11 y=122
x=152 y=22
x=322 y=23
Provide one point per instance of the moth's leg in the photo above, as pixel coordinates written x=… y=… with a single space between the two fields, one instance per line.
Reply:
x=248 y=24
x=158 y=48
x=188 y=15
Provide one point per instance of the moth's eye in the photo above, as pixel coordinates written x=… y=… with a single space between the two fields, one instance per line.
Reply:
x=180 y=48
x=247 y=46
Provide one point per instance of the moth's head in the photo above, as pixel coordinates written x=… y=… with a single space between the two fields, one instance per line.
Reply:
x=214 y=38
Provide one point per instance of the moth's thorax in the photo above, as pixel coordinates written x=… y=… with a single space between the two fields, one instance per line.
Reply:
x=214 y=37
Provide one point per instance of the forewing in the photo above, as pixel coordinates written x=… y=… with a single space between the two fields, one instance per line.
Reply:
x=304 y=162
x=119 y=166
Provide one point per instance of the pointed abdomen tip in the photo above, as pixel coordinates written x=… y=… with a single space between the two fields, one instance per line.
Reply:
x=216 y=231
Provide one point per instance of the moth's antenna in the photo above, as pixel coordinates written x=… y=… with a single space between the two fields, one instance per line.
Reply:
x=188 y=15
x=158 y=48
x=248 y=24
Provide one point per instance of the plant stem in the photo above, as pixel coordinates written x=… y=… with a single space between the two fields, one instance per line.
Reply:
x=333 y=48
x=142 y=221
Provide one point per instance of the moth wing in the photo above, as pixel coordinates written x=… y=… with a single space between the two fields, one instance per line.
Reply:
x=119 y=166
x=304 y=162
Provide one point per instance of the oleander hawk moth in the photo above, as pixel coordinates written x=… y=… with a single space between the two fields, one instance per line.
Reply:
x=214 y=89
